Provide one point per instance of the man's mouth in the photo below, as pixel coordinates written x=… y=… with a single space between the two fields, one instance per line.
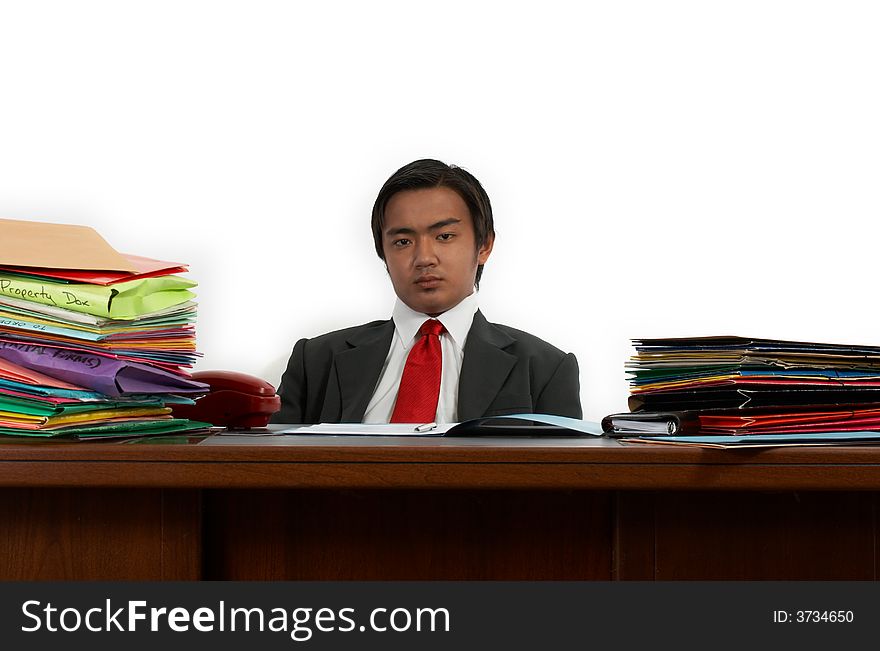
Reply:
x=427 y=282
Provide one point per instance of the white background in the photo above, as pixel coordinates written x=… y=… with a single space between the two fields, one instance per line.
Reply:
x=655 y=168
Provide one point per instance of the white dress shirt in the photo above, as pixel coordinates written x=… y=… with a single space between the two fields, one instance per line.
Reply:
x=407 y=322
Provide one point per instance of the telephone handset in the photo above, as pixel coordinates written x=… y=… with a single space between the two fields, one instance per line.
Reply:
x=236 y=400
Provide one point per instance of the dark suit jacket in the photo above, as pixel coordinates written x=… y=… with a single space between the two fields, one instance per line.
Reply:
x=331 y=378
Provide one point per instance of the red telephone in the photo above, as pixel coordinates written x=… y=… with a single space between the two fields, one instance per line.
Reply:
x=236 y=400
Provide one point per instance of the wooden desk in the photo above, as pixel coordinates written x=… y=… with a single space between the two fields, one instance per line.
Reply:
x=333 y=508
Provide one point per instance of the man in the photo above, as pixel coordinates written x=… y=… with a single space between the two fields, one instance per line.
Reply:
x=437 y=359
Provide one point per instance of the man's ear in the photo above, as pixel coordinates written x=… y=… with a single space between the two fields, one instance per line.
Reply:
x=484 y=251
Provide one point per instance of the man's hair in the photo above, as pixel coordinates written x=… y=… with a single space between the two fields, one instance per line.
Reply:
x=430 y=173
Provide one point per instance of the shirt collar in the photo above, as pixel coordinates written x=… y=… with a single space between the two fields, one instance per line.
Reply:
x=457 y=320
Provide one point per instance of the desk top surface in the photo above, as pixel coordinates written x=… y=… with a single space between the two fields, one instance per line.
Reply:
x=235 y=461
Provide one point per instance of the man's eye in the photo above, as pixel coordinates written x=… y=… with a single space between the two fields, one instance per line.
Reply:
x=401 y=242
x=445 y=236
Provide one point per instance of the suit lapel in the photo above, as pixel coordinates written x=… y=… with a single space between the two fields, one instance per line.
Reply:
x=358 y=369
x=484 y=369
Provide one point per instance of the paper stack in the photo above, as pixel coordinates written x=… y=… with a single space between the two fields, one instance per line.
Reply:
x=734 y=386
x=92 y=342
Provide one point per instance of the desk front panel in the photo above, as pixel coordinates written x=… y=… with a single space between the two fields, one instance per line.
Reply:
x=146 y=534
x=435 y=510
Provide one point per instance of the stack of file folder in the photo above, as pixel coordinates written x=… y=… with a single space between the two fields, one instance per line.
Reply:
x=92 y=342
x=735 y=386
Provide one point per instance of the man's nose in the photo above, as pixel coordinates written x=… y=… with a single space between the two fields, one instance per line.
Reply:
x=426 y=254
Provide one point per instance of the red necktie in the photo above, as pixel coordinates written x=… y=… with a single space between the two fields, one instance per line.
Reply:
x=419 y=388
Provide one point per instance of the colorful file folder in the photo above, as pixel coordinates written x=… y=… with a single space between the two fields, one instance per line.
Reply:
x=93 y=343
x=730 y=386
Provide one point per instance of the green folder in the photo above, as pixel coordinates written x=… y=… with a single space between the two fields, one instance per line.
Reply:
x=137 y=428
x=36 y=407
x=126 y=300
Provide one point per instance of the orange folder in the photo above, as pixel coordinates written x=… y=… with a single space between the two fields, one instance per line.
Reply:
x=58 y=246
x=145 y=268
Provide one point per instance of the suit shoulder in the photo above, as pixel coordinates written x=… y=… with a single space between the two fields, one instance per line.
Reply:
x=531 y=344
x=340 y=337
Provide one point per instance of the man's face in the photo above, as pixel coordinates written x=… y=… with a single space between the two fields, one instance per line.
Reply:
x=430 y=249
